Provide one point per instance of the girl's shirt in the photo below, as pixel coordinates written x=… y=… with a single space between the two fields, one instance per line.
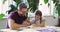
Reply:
x=36 y=21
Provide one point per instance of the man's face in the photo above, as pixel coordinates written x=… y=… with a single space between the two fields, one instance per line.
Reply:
x=24 y=10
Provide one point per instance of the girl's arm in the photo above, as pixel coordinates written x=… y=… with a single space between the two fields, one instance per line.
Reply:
x=42 y=23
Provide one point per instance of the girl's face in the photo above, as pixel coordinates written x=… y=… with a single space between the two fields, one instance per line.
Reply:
x=37 y=17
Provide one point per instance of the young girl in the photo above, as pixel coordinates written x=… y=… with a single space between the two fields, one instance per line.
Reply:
x=38 y=20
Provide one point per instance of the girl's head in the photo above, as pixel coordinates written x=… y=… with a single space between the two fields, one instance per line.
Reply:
x=38 y=15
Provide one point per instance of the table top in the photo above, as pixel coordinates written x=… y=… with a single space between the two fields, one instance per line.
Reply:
x=32 y=29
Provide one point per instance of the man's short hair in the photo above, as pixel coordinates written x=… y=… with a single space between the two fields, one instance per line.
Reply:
x=22 y=5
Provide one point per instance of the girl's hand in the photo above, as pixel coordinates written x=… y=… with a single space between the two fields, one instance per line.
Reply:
x=35 y=25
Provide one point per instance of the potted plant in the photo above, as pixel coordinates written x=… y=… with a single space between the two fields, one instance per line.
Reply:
x=57 y=6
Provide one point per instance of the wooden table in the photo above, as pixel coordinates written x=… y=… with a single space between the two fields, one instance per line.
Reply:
x=33 y=29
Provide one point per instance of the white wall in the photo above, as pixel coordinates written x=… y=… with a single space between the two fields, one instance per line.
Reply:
x=51 y=21
x=3 y=23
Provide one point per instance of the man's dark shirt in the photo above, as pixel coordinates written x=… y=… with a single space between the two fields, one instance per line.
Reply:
x=17 y=18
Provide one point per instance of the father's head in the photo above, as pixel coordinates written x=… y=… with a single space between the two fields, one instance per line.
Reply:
x=22 y=8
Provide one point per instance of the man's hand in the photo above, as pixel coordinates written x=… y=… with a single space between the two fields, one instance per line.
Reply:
x=26 y=23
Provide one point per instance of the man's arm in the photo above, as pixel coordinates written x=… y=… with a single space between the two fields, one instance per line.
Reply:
x=27 y=22
x=14 y=25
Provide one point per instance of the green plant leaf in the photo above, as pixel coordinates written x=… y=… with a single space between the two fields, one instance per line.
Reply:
x=1 y=16
x=48 y=4
x=13 y=8
x=17 y=2
x=58 y=9
x=45 y=1
x=55 y=1
x=33 y=5
x=4 y=1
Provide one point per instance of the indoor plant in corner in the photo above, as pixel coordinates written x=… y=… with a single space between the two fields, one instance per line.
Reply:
x=57 y=6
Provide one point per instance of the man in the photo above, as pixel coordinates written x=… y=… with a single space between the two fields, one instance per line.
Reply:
x=18 y=18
